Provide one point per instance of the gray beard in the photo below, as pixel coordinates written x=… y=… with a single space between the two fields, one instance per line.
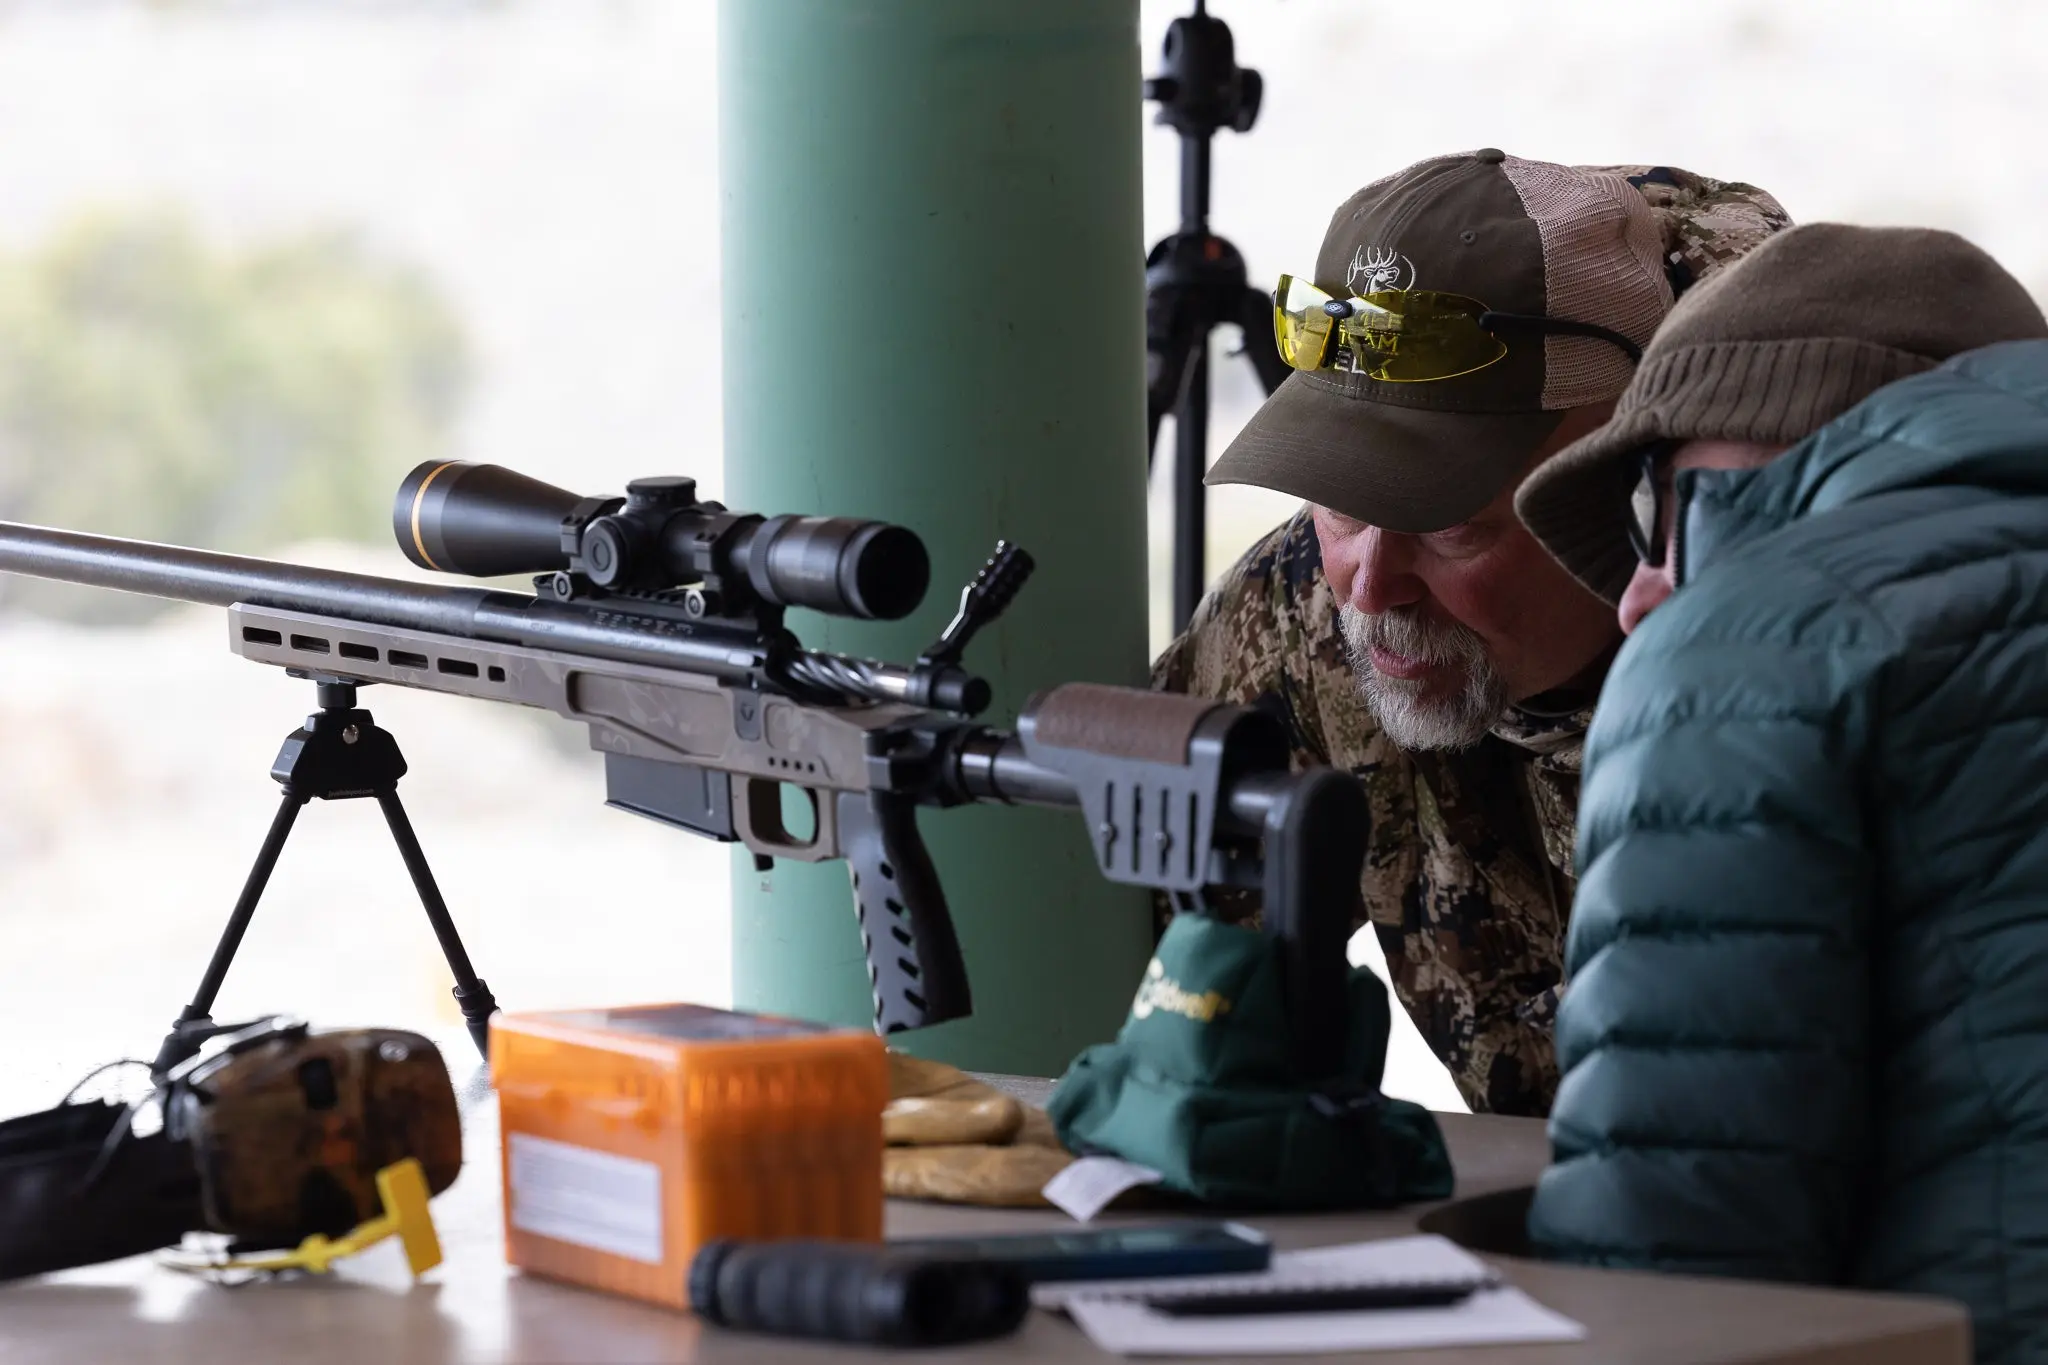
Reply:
x=1408 y=717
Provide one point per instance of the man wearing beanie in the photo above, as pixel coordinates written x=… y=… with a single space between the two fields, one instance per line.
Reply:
x=1806 y=1031
x=1404 y=625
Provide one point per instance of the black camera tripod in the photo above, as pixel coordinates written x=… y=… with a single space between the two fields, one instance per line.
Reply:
x=1195 y=280
x=338 y=753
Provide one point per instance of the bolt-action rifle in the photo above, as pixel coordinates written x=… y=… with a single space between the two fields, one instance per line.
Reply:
x=657 y=621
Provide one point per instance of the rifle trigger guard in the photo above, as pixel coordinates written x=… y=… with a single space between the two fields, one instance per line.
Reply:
x=757 y=819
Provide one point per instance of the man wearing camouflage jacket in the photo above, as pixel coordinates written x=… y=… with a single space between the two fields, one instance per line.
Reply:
x=1468 y=316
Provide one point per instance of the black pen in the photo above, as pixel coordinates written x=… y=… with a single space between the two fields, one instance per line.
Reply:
x=1318 y=1300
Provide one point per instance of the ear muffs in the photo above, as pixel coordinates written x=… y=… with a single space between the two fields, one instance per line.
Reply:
x=289 y=1128
x=271 y=1134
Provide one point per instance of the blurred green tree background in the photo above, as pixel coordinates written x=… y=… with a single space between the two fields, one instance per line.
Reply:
x=159 y=385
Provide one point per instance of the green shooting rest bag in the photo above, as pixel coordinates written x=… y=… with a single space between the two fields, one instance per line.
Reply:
x=1199 y=1085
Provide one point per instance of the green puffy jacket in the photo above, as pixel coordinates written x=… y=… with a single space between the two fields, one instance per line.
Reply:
x=1805 y=1031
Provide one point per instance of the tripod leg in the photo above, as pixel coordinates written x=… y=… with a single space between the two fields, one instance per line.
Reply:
x=1156 y=407
x=471 y=993
x=1171 y=339
x=1177 y=383
x=1190 y=498
x=193 y=1025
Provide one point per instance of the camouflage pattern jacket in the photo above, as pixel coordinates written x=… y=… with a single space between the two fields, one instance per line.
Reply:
x=1468 y=861
x=1468 y=869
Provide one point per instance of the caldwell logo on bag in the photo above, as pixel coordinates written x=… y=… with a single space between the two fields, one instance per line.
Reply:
x=1158 y=991
x=1219 y=1107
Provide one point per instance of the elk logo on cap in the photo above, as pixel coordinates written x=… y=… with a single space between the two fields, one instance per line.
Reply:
x=1374 y=269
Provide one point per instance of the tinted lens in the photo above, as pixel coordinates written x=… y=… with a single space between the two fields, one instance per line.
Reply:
x=1300 y=325
x=1411 y=336
x=1643 y=516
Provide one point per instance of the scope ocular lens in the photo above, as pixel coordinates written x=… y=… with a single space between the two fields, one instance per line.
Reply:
x=840 y=565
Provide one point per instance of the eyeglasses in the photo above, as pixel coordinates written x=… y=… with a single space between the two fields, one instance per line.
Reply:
x=1406 y=336
x=1647 y=520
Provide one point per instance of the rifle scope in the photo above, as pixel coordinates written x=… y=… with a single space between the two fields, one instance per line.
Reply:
x=485 y=520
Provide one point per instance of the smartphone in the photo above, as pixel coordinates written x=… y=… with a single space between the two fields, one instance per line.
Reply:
x=1110 y=1253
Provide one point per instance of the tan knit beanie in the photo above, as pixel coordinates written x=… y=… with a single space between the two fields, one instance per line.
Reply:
x=1769 y=350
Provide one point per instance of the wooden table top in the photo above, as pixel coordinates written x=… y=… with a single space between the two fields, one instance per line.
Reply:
x=475 y=1308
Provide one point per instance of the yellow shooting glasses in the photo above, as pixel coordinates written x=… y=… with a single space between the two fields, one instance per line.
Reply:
x=1404 y=336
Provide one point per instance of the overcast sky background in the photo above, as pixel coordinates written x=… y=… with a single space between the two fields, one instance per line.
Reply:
x=552 y=164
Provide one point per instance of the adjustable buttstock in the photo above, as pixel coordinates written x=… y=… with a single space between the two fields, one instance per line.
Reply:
x=1151 y=772
x=913 y=954
x=1314 y=850
x=1168 y=783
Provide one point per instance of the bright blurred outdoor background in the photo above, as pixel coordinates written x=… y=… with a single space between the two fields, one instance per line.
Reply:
x=257 y=259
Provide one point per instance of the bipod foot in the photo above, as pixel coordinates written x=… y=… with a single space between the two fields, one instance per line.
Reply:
x=193 y=1028
x=477 y=1005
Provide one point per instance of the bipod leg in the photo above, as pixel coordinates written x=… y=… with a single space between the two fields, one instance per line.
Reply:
x=471 y=994
x=195 y=1024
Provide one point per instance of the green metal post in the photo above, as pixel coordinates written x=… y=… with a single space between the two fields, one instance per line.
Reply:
x=933 y=314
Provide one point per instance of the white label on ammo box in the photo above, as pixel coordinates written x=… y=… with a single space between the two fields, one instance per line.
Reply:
x=592 y=1198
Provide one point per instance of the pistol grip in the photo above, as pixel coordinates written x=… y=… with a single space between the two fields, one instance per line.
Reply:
x=913 y=952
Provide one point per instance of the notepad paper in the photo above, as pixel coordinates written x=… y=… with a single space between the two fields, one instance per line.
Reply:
x=1114 y=1315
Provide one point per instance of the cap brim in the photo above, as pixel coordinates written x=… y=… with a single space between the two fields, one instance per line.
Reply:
x=1398 y=468
x=1576 y=503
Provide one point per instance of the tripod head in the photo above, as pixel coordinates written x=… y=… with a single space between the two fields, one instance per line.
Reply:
x=1195 y=280
x=1201 y=91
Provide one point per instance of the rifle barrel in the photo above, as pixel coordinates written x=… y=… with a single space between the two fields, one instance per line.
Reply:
x=213 y=579
x=221 y=580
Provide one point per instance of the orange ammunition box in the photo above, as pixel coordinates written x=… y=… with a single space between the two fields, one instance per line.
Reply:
x=633 y=1136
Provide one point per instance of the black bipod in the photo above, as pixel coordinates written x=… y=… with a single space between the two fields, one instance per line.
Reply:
x=1195 y=280
x=339 y=753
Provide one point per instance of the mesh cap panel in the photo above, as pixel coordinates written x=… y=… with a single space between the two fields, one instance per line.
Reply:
x=1602 y=263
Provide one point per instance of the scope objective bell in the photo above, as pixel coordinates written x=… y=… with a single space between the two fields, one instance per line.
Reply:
x=482 y=520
